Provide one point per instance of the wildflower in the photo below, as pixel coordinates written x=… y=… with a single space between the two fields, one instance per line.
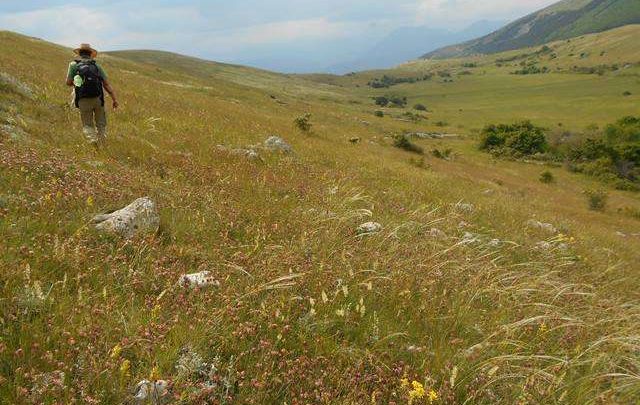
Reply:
x=325 y=299
x=125 y=369
x=404 y=383
x=417 y=391
x=542 y=328
x=155 y=374
x=115 y=352
x=90 y=201
x=433 y=396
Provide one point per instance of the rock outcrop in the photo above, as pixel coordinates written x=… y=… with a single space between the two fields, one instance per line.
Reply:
x=139 y=217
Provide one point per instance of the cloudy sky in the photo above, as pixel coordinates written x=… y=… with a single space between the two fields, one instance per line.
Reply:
x=246 y=31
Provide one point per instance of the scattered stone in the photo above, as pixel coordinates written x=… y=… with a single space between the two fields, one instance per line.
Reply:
x=155 y=393
x=275 y=143
x=96 y=164
x=463 y=224
x=437 y=233
x=432 y=135
x=495 y=243
x=201 y=279
x=369 y=228
x=139 y=217
x=543 y=245
x=464 y=207
x=621 y=234
x=488 y=191
x=469 y=238
x=18 y=86
x=250 y=154
x=355 y=140
x=532 y=223
x=14 y=133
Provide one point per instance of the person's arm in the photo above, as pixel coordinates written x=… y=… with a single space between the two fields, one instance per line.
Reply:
x=112 y=93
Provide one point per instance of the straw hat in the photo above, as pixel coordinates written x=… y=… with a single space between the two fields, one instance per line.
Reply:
x=87 y=48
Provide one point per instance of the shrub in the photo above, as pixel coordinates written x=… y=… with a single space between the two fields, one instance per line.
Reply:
x=442 y=154
x=597 y=199
x=546 y=177
x=303 y=122
x=395 y=101
x=420 y=107
x=382 y=101
x=379 y=113
x=626 y=93
x=441 y=123
x=520 y=138
x=403 y=142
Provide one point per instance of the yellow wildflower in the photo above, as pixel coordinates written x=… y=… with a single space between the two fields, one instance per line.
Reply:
x=433 y=396
x=155 y=374
x=125 y=369
x=115 y=352
x=404 y=383
x=90 y=201
x=417 y=391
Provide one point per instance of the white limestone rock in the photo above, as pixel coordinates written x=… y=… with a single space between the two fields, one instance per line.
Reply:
x=199 y=280
x=139 y=217
x=369 y=228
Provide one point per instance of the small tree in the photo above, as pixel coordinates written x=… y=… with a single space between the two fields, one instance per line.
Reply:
x=403 y=142
x=303 y=122
x=546 y=177
x=597 y=199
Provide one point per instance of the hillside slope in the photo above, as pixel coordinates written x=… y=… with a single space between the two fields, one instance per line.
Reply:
x=463 y=295
x=566 y=19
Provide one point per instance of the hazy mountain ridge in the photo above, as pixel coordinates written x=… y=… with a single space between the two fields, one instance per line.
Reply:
x=563 y=20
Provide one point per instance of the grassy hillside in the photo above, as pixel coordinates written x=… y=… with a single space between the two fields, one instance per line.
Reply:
x=458 y=299
x=566 y=19
x=585 y=84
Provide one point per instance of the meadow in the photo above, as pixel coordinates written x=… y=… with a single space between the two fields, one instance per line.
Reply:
x=464 y=296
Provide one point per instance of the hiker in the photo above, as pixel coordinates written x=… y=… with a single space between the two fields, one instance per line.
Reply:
x=89 y=81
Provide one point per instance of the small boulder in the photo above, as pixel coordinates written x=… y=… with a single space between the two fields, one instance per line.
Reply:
x=437 y=233
x=369 y=228
x=155 y=393
x=15 y=84
x=139 y=217
x=532 y=223
x=201 y=279
x=277 y=144
x=464 y=207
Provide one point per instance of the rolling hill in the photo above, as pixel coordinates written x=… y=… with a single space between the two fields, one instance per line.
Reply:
x=563 y=20
x=480 y=284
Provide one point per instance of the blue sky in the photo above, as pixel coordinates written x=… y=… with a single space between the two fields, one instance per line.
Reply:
x=237 y=31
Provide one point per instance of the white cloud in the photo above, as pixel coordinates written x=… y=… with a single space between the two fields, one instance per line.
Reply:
x=67 y=25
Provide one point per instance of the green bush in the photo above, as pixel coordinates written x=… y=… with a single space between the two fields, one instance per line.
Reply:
x=379 y=113
x=420 y=107
x=522 y=138
x=546 y=177
x=303 y=122
x=444 y=154
x=626 y=93
x=403 y=142
x=597 y=199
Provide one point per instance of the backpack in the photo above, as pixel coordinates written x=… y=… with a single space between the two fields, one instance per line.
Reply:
x=91 y=80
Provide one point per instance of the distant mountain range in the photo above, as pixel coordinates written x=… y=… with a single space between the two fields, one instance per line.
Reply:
x=408 y=43
x=563 y=20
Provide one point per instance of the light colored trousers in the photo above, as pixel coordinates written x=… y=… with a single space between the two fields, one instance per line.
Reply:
x=94 y=120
